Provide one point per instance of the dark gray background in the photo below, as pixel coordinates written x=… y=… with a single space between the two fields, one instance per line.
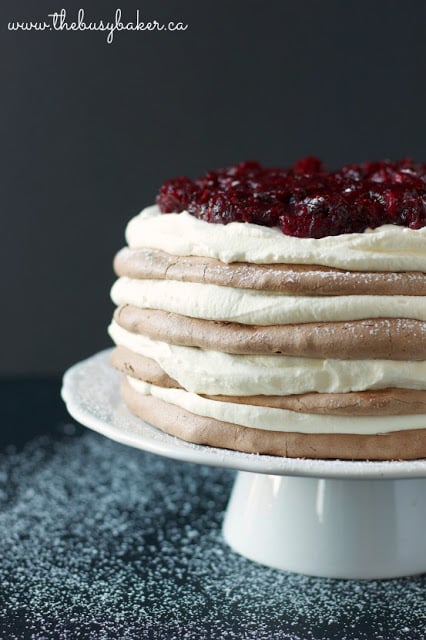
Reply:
x=89 y=131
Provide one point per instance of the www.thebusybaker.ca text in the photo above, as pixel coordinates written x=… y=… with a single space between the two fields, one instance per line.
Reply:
x=58 y=22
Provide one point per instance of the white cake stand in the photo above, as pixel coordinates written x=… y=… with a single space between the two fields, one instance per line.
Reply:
x=335 y=518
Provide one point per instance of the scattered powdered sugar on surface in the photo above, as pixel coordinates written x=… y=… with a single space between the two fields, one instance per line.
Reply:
x=98 y=540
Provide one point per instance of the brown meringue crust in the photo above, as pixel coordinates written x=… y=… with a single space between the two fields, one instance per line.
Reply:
x=137 y=366
x=384 y=338
x=390 y=402
x=397 y=445
x=293 y=279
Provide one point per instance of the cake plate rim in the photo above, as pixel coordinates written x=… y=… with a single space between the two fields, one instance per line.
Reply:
x=90 y=390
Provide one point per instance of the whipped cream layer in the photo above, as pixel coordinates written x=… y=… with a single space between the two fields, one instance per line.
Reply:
x=215 y=373
x=249 y=306
x=270 y=419
x=386 y=248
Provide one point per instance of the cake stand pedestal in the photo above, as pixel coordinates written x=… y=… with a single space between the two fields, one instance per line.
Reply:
x=328 y=518
x=333 y=528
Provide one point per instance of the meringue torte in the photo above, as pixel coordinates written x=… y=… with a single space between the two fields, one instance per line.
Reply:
x=280 y=311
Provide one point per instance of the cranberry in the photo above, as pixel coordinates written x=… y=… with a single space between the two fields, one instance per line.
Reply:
x=308 y=166
x=176 y=194
x=306 y=200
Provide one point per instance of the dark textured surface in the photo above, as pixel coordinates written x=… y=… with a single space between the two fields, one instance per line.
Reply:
x=90 y=131
x=101 y=541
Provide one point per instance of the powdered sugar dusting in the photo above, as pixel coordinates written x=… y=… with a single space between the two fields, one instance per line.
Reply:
x=103 y=541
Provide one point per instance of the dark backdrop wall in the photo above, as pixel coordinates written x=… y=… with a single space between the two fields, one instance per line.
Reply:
x=90 y=130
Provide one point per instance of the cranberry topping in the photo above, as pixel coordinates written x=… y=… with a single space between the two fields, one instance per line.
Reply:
x=305 y=200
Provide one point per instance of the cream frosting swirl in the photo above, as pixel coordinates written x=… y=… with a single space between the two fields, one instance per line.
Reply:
x=270 y=419
x=216 y=373
x=249 y=306
x=386 y=248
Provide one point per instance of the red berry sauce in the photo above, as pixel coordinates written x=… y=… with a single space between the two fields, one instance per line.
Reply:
x=306 y=200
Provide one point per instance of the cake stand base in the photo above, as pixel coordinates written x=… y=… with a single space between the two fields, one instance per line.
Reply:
x=353 y=529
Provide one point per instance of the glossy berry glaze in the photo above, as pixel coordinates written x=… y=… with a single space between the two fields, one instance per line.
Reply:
x=306 y=200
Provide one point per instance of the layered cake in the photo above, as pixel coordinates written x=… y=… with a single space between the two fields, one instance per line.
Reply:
x=280 y=311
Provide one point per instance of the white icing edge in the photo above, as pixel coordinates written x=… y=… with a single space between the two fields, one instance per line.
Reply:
x=270 y=419
x=249 y=306
x=386 y=248
x=215 y=373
